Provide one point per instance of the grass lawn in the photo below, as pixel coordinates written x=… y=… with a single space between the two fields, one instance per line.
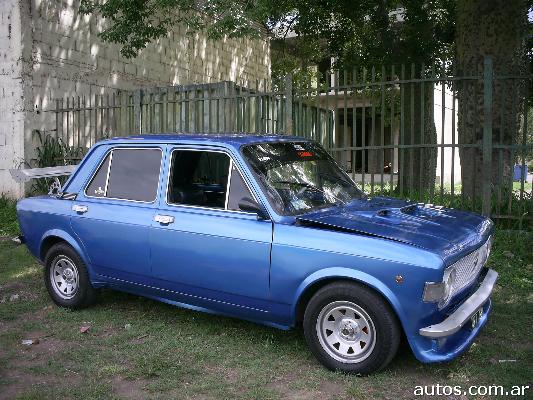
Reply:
x=138 y=348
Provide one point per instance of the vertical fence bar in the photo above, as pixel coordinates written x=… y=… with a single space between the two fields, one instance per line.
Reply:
x=363 y=131
x=452 y=176
x=345 y=138
x=354 y=122
x=392 y=139
x=421 y=186
x=137 y=111
x=443 y=124
x=402 y=131
x=381 y=157
x=373 y=132
x=487 y=135
x=523 y=175
x=288 y=105
x=412 y=132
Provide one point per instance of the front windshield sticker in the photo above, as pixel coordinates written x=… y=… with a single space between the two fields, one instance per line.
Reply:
x=299 y=177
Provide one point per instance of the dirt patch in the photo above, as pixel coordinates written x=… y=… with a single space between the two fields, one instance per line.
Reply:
x=284 y=386
x=29 y=316
x=18 y=372
x=46 y=346
x=129 y=389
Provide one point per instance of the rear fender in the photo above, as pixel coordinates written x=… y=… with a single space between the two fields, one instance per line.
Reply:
x=77 y=246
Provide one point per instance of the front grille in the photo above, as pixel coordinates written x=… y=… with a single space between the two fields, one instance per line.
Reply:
x=468 y=268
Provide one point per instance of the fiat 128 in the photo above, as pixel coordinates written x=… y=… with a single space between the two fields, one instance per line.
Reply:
x=268 y=229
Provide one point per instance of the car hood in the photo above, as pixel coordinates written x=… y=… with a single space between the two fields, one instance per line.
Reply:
x=449 y=233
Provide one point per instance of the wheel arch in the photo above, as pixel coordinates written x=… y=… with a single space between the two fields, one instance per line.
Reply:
x=54 y=236
x=321 y=278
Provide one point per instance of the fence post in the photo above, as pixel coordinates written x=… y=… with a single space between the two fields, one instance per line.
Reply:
x=288 y=105
x=137 y=111
x=487 y=136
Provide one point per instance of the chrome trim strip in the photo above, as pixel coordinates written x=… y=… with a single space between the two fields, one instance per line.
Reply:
x=228 y=183
x=107 y=174
x=186 y=294
x=460 y=316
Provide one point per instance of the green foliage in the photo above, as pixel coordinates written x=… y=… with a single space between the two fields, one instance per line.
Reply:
x=8 y=217
x=366 y=32
x=51 y=152
x=136 y=23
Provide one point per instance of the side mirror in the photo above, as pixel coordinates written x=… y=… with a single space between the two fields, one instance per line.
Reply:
x=248 y=205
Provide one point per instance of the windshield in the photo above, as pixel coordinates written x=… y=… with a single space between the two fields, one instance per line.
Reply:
x=299 y=176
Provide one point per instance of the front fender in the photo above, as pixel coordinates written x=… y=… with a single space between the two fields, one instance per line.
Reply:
x=348 y=273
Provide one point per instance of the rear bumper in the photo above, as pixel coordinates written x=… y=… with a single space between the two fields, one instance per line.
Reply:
x=463 y=314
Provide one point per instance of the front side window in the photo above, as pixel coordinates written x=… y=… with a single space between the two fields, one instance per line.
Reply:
x=198 y=178
x=299 y=176
x=238 y=190
x=127 y=174
x=201 y=178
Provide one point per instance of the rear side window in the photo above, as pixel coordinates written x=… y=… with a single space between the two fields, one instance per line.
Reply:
x=97 y=186
x=128 y=174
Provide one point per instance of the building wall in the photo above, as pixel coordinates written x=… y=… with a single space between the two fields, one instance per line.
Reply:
x=54 y=52
x=11 y=95
x=446 y=122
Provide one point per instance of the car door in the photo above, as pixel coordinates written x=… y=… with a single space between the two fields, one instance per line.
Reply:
x=113 y=215
x=203 y=247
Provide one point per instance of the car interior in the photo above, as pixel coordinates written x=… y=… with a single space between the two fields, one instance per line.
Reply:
x=198 y=178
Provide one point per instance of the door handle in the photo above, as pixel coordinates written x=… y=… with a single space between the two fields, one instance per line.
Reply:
x=80 y=209
x=164 y=219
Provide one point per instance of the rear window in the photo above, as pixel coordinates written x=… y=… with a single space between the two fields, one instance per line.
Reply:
x=128 y=174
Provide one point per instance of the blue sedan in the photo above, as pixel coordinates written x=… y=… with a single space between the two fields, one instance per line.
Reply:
x=267 y=229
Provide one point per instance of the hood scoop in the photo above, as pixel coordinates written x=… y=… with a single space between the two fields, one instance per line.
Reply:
x=323 y=224
x=445 y=231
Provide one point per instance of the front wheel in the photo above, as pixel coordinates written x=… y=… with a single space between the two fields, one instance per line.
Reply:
x=67 y=279
x=350 y=328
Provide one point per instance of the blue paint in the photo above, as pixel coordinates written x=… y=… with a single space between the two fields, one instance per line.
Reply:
x=231 y=263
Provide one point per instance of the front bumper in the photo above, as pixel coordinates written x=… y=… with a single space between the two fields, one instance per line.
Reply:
x=462 y=315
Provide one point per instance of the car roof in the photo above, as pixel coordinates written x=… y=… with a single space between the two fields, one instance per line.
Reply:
x=233 y=139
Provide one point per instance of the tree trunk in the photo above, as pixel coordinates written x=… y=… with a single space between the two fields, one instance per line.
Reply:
x=494 y=28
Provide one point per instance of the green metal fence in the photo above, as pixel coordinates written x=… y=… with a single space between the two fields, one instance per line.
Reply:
x=421 y=132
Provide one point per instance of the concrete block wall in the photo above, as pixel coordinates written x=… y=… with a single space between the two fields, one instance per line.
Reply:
x=52 y=51
x=11 y=95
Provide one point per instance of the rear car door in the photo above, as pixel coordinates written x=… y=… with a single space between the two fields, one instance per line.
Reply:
x=113 y=215
x=203 y=246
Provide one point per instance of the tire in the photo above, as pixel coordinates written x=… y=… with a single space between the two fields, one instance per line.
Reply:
x=66 y=278
x=364 y=334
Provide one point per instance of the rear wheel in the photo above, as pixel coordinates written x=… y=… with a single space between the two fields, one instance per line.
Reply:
x=66 y=278
x=350 y=328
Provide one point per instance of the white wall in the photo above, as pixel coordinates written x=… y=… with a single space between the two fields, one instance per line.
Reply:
x=11 y=95
x=449 y=122
x=53 y=52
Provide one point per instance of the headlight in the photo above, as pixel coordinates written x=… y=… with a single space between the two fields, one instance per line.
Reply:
x=448 y=280
x=439 y=292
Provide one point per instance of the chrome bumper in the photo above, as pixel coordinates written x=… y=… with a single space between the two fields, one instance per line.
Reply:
x=465 y=311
